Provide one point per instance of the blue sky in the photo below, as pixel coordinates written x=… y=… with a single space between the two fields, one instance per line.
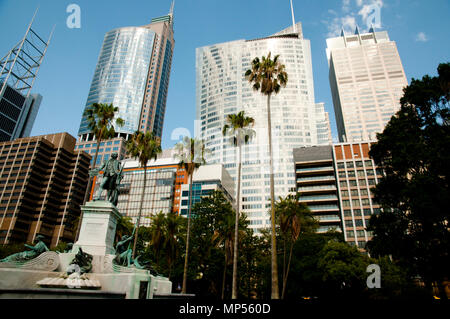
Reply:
x=420 y=28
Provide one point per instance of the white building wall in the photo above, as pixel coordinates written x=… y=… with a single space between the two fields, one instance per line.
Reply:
x=222 y=89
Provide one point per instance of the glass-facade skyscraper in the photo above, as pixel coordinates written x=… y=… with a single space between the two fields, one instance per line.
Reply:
x=132 y=73
x=297 y=120
x=367 y=80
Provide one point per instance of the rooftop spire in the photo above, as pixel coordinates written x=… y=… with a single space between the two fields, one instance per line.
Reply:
x=293 y=18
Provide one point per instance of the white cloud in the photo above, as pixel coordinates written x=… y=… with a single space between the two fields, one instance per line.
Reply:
x=421 y=37
x=347 y=22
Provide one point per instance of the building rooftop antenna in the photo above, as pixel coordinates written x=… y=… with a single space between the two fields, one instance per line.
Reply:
x=293 y=18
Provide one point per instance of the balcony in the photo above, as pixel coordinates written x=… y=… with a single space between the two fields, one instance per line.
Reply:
x=315 y=198
x=315 y=169
x=312 y=179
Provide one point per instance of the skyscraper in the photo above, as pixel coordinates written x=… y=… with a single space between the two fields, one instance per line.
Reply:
x=367 y=79
x=132 y=73
x=18 y=70
x=221 y=89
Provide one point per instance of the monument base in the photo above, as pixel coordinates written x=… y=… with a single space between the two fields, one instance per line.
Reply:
x=98 y=228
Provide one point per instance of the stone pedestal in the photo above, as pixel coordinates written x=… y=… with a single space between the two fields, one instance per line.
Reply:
x=98 y=228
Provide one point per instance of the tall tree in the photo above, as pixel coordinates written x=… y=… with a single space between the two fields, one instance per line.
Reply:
x=191 y=155
x=143 y=147
x=292 y=217
x=238 y=126
x=268 y=76
x=100 y=119
x=414 y=152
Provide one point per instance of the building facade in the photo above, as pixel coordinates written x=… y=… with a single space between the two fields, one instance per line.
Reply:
x=367 y=80
x=132 y=73
x=317 y=185
x=221 y=89
x=42 y=185
x=17 y=113
x=336 y=183
x=356 y=175
x=207 y=179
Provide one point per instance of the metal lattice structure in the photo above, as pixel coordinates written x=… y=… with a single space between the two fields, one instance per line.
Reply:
x=20 y=65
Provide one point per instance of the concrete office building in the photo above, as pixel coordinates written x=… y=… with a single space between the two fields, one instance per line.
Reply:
x=367 y=80
x=132 y=73
x=335 y=182
x=42 y=185
x=297 y=120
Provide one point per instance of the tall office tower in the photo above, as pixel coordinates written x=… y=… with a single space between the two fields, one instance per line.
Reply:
x=42 y=182
x=18 y=70
x=367 y=80
x=132 y=73
x=221 y=89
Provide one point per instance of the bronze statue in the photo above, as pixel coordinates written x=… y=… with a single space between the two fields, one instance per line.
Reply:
x=34 y=251
x=124 y=255
x=112 y=176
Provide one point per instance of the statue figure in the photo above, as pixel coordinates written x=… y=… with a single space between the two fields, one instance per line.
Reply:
x=83 y=261
x=26 y=255
x=112 y=176
x=124 y=252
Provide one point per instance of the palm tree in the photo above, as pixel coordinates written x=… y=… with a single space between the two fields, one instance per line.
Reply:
x=237 y=124
x=100 y=119
x=143 y=147
x=292 y=217
x=173 y=227
x=268 y=76
x=191 y=155
x=224 y=234
x=157 y=233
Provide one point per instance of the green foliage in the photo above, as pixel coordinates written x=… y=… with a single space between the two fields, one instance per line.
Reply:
x=343 y=268
x=414 y=152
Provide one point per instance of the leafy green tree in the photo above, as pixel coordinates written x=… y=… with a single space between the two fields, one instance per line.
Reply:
x=143 y=147
x=268 y=76
x=208 y=225
x=343 y=269
x=191 y=155
x=292 y=218
x=414 y=152
x=238 y=126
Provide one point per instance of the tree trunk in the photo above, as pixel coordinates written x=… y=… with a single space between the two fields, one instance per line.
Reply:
x=234 y=289
x=275 y=288
x=140 y=212
x=183 y=289
x=88 y=190
x=287 y=272
x=224 y=276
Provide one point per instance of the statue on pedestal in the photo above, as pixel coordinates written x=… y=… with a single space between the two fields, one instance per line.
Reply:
x=112 y=176
x=26 y=255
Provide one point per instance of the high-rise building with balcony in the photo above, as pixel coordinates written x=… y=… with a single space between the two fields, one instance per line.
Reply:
x=317 y=185
x=132 y=73
x=336 y=183
x=42 y=185
x=367 y=80
x=297 y=120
